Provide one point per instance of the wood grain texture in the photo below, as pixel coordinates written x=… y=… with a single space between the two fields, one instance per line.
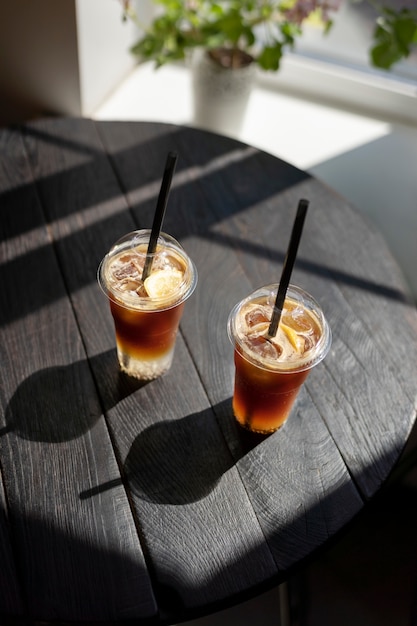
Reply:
x=233 y=208
x=130 y=501
x=69 y=552
x=11 y=599
x=209 y=201
x=188 y=559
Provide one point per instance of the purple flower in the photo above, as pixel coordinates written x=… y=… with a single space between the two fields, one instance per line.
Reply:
x=303 y=8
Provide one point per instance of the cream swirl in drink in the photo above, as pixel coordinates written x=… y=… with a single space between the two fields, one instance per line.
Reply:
x=297 y=334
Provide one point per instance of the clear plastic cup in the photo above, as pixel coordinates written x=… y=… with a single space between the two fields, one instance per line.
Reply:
x=146 y=315
x=269 y=371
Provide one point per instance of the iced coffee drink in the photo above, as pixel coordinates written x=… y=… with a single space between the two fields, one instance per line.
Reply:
x=269 y=371
x=146 y=312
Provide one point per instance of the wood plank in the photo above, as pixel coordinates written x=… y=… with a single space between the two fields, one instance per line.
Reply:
x=217 y=513
x=347 y=266
x=73 y=555
x=11 y=595
x=187 y=495
x=345 y=263
x=218 y=180
x=276 y=479
x=11 y=600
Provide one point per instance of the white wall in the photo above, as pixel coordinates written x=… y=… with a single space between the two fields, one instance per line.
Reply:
x=103 y=47
x=62 y=56
x=38 y=58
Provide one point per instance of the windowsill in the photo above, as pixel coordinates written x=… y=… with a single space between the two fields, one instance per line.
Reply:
x=366 y=156
x=365 y=90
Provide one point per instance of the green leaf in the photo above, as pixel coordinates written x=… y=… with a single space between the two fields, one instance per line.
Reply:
x=405 y=30
x=384 y=55
x=147 y=47
x=328 y=25
x=290 y=32
x=183 y=24
x=270 y=57
x=231 y=26
x=394 y=36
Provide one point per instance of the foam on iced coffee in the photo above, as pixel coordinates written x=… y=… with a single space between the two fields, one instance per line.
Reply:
x=297 y=335
x=166 y=282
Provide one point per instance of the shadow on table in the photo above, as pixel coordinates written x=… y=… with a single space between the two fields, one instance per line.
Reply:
x=31 y=412
x=171 y=462
x=369 y=576
x=181 y=461
x=48 y=406
x=176 y=462
x=63 y=578
x=101 y=213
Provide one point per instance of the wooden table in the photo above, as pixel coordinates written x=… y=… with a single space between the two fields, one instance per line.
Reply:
x=120 y=501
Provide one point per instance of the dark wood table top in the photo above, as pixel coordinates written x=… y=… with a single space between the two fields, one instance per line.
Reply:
x=120 y=501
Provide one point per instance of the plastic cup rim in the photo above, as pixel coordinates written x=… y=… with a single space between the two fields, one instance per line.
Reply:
x=191 y=269
x=322 y=347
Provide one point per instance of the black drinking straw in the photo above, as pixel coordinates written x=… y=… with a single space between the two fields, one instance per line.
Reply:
x=297 y=229
x=160 y=211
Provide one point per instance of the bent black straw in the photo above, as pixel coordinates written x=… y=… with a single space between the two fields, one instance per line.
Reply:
x=290 y=257
x=160 y=211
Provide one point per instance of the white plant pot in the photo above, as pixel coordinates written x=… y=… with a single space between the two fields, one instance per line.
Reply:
x=221 y=95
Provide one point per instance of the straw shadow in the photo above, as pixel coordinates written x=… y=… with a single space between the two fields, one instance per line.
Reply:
x=48 y=406
x=181 y=461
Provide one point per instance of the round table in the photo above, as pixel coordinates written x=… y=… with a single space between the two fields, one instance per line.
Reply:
x=123 y=501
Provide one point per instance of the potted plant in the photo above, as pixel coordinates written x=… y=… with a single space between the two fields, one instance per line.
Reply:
x=236 y=36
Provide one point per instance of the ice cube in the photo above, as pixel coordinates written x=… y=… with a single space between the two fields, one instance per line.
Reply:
x=309 y=343
x=166 y=261
x=263 y=347
x=298 y=321
x=126 y=266
x=255 y=316
x=128 y=284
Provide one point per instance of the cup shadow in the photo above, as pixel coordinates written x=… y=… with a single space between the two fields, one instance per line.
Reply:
x=61 y=403
x=177 y=462
x=181 y=461
x=169 y=462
